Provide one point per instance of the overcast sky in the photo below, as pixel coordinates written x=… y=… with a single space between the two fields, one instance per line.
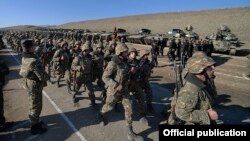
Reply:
x=56 y=12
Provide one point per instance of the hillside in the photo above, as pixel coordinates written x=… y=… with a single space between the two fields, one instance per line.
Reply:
x=204 y=22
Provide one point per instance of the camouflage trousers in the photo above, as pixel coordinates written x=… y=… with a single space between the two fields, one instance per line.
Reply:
x=138 y=93
x=147 y=90
x=87 y=81
x=34 y=89
x=2 y=118
x=112 y=99
x=98 y=76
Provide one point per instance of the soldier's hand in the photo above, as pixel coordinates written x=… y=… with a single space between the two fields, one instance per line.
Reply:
x=119 y=88
x=212 y=114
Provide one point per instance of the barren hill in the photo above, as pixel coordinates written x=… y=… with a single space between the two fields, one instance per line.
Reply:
x=204 y=22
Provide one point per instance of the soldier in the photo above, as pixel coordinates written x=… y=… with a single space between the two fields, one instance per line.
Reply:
x=115 y=77
x=154 y=52
x=172 y=49
x=110 y=51
x=61 y=62
x=194 y=102
x=145 y=70
x=134 y=85
x=98 y=60
x=4 y=70
x=34 y=75
x=83 y=65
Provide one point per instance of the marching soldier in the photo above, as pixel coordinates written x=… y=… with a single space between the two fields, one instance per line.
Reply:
x=83 y=65
x=35 y=76
x=61 y=62
x=98 y=60
x=116 y=78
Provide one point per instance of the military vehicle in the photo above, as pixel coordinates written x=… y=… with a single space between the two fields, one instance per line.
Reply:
x=190 y=33
x=176 y=33
x=122 y=33
x=138 y=38
x=224 y=41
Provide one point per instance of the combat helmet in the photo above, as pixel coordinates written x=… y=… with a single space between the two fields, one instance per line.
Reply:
x=78 y=43
x=64 y=43
x=85 y=47
x=99 y=45
x=144 y=52
x=132 y=50
x=121 y=47
x=198 y=63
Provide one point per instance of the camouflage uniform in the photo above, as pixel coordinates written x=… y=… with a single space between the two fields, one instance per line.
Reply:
x=34 y=75
x=83 y=65
x=98 y=65
x=115 y=77
x=146 y=68
x=61 y=63
x=194 y=99
x=134 y=85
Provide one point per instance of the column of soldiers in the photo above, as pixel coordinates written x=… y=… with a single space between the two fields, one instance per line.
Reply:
x=118 y=74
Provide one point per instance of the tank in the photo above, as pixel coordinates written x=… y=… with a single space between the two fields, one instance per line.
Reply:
x=224 y=41
x=223 y=46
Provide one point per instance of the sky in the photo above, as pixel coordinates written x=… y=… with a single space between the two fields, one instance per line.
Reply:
x=56 y=12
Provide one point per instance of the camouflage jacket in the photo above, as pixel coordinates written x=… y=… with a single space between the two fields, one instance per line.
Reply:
x=31 y=68
x=116 y=73
x=193 y=102
x=98 y=58
x=83 y=64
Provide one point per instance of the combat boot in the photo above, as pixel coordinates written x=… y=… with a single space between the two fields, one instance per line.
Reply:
x=132 y=136
x=58 y=85
x=101 y=119
x=38 y=128
x=93 y=103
